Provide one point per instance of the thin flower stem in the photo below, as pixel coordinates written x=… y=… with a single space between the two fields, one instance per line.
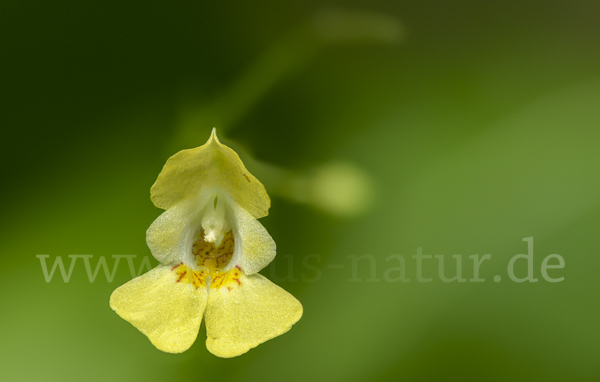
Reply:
x=284 y=58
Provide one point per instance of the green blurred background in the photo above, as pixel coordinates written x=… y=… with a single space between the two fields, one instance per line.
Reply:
x=467 y=125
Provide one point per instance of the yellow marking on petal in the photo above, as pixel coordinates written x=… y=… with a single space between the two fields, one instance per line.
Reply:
x=187 y=275
x=212 y=261
x=229 y=280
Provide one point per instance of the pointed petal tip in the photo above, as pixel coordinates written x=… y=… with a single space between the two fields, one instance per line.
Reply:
x=213 y=136
x=189 y=173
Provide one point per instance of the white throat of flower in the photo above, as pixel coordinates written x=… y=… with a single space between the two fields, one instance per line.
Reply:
x=214 y=222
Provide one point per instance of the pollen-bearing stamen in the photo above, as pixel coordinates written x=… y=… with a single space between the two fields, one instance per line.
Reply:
x=214 y=223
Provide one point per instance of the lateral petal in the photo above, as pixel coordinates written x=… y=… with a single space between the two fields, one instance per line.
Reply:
x=256 y=247
x=170 y=236
x=245 y=312
x=167 y=311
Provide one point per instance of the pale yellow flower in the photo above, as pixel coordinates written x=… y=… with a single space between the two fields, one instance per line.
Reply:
x=211 y=247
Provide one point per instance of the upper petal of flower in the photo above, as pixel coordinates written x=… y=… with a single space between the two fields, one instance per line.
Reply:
x=246 y=313
x=162 y=307
x=189 y=173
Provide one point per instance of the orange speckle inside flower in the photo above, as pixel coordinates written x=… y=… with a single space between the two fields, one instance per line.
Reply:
x=211 y=260
x=210 y=257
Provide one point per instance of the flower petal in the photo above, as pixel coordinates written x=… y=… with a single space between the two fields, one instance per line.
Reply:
x=240 y=317
x=256 y=248
x=168 y=237
x=189 y=173
x=167 y=311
